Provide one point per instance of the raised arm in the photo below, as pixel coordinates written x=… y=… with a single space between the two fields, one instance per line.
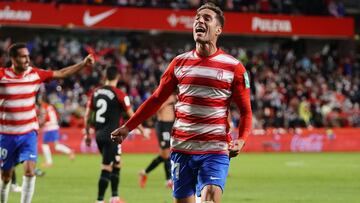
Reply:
x=67 y=71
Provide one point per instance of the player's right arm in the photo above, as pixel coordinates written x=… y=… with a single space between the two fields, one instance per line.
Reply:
x=166 y=87
x=88 y=121
x=70 y=70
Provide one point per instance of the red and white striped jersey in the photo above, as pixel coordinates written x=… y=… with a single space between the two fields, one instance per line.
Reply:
x=50 y=117
x=17 y=99
x=206 y=86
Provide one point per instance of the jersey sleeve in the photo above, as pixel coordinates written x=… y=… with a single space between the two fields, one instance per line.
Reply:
x=123 y=99
x=1 y=72
x=241 y=96
x=166 y=87
x=45 y=75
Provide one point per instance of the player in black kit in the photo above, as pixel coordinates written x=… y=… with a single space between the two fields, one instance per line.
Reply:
x=104 y=112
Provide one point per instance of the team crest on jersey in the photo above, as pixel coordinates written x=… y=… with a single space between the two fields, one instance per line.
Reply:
x=220 y=75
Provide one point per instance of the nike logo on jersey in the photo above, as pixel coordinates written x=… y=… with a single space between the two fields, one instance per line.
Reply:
x=214 y=178
x=92 y=20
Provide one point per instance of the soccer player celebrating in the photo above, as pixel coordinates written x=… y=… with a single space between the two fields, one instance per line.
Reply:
x=18 y=122
x=102 y=111
x=207 y=80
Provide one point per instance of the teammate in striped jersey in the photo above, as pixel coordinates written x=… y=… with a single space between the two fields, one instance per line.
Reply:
x=48 y=120
x=18 y=122
x=207 y=80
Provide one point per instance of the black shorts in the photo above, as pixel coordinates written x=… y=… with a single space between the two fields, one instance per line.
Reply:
x=110 y=151
x=163 y=132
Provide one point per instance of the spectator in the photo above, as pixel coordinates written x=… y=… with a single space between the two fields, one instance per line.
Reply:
x=284 y=85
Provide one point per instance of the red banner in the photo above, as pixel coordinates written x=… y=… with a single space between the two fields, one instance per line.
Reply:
x=273 y=140
x=105 y=17
x=305 y=140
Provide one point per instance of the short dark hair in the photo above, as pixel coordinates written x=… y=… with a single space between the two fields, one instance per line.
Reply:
x=13 y=49
x=219 y=13
x=111 y=72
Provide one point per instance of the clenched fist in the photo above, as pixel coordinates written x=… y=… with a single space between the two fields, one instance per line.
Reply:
x=235 y=147
x=89 y=60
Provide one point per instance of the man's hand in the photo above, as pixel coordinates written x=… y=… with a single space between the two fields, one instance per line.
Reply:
x=89 y=60
x=120 y=134
x=235 y=147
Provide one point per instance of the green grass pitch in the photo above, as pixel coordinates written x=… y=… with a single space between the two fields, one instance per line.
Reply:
x=253 y=178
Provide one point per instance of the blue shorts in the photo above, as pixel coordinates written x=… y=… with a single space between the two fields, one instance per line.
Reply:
x=15 y=149
x=191 y=173
x=51 y=136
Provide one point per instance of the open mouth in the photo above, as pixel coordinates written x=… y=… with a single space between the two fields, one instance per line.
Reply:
x=200 y=30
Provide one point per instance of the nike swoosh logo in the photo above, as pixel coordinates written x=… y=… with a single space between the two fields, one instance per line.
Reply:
x=92 y=20
x=214 y=178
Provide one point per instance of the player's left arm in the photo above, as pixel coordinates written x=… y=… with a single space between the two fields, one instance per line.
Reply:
x=241 y=96
x=70 y=70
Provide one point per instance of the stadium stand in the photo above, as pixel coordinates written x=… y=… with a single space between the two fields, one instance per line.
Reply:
x=290 y=88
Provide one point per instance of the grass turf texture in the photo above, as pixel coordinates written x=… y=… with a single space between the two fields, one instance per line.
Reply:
x=254 y=178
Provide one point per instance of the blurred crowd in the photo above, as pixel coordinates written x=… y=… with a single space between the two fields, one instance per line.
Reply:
x=288 y=90
x=293 y=7
x=319 y=90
